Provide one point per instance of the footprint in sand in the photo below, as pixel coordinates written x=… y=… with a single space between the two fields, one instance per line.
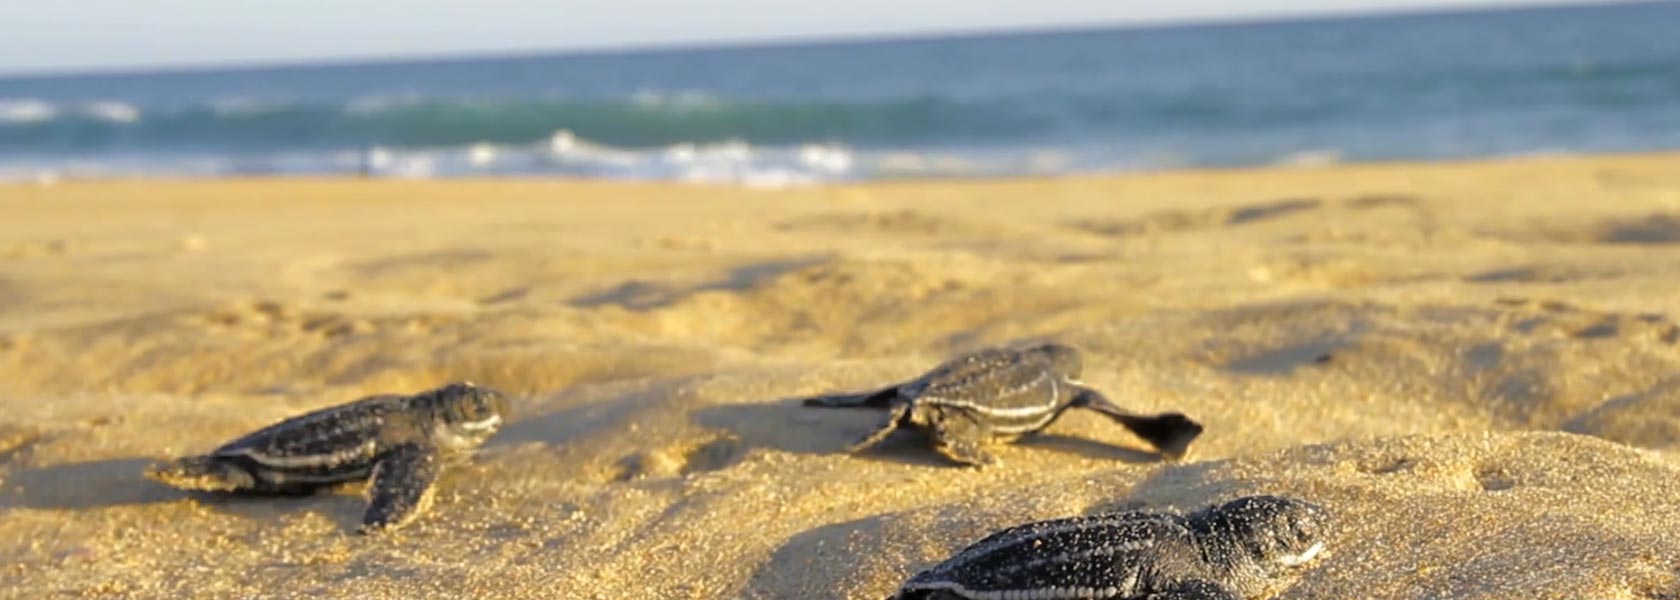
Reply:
x=1381 y=200
x=1172 y=221
x=277 y=319
x=715 y=455
x=1580 y=323
x=1656 y=229
x=17 y=439
x=900 y=222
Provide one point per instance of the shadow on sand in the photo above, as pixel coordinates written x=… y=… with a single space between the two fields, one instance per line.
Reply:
x=807 y=562
x=787 y=426
x=83 y=485
x=567 y=424
x=825 y=561
x=1089 y=448
x=118 y=482
x=641 y=295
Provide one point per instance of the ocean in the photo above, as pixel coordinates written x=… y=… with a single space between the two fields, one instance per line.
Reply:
x=1399 y=87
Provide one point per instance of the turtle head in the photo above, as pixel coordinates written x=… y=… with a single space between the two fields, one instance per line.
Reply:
x=1064 y=359
x=1279 y=533
x=466 y=412
x=1272 y=533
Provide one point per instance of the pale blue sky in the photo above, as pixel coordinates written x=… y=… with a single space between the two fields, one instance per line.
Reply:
x=54 y=35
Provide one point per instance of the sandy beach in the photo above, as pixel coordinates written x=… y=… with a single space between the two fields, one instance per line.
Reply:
x=1475 y=365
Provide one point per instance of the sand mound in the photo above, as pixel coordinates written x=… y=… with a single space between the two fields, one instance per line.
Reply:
x=1474 y=365
x=1464 y=516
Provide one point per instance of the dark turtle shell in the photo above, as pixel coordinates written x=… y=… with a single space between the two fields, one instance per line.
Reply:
x=1011 y=389
x=339 y=443
x=1225 y=551
x=998 y=379
x=1085 y=558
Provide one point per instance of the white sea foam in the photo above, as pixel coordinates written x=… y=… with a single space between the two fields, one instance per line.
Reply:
x=1310 y=158
x=111 y=112
x=566 y=147
x=413 y=165
x=482 y=154
x=904 y=163
x=833 y=160
x=567 y=154
x=733 y=151
x=1048 y=161
x=26 y=111
x=1543 y=152
x=37 y=111
x=730 y=163
x=43 y=177
x=378 y=159
x=681 y=153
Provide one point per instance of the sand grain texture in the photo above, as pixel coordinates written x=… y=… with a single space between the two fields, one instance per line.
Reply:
x=1476 y=366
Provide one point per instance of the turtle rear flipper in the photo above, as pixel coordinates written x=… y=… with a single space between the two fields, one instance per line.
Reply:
x=202 y=473
x=1170 y=433
x=927 y=595
x=882 y=398
x=401 y=487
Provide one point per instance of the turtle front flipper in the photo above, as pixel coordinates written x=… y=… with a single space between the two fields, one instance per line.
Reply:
x=1170 y=433
x=1197 y=589
x=894 y=417
x=959 y=438
x=202 y=473
x=401 y=487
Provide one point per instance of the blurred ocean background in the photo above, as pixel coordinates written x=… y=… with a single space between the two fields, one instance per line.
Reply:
x=1422 y=86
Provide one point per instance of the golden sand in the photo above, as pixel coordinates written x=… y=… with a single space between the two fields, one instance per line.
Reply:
x=1476 y=366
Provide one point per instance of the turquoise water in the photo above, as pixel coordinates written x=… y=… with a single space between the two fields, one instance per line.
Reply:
x=1495 y=83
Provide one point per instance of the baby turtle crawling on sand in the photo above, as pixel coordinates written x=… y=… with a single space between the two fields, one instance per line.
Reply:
x=1230 y=552
x=999 y=395
x=396 y=441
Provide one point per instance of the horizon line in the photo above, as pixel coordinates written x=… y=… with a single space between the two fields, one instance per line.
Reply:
x=791 y=42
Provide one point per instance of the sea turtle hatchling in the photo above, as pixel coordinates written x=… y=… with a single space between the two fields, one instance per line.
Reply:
x=396 y=442
x=1234 y=551
x=1000 y=395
